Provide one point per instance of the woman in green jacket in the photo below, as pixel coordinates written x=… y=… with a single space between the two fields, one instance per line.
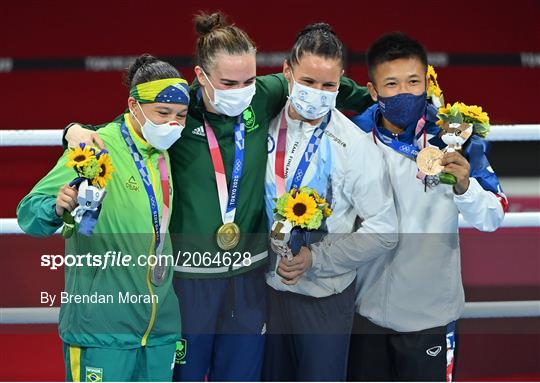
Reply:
x=121 y=321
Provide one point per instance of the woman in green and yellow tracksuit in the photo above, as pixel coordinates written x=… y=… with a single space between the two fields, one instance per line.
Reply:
x=121 y=322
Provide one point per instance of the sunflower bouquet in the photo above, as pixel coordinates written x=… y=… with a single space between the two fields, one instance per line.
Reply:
x=457 y=121
x=298 y=217
x=94 y=169
x=459 y=113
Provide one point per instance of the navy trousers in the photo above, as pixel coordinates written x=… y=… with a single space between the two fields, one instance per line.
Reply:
x=308 y=338
x=223 y=323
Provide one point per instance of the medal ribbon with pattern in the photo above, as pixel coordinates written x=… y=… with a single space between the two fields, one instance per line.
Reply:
x=407 y=150
x=410 y=151
x=160 y=230
x=309 y=152
x=228 y=199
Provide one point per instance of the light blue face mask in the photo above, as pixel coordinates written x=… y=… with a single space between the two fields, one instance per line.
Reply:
x=311 y=103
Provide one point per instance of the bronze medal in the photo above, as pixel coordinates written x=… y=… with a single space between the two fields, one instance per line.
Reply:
x=429 y=161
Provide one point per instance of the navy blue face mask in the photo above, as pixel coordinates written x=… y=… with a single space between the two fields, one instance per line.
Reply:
x=403 y=109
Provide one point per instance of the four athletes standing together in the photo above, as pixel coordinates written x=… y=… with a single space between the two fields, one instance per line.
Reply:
x=389 y=261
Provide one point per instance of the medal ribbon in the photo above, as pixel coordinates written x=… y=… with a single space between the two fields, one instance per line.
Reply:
x=309 y=152
x=163 y=173
x=159 y=229
x=227 y=200
x=407 y=150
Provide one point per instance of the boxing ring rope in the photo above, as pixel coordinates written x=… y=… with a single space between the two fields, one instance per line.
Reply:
x=515 y=220
x=53 y=137
x=473 y=310
x=507 y=309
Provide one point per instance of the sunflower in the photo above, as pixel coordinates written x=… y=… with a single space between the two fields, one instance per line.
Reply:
x=80 y=156
x=474 y=114
x=431 y=72
x=445 y=110
x=318 y=199
x=327 y=212
x=300 y=209
x=433 y=89
x=106 y=169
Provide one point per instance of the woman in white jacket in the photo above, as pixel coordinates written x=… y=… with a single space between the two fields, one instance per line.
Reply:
x=310 y=317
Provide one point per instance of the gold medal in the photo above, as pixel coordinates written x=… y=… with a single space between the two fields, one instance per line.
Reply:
x=228 y=236
x=429 y=161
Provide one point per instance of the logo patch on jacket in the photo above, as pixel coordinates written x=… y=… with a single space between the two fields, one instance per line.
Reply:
x=181 y=351
x=93 y=374
x=198 y=131
x=132 y=184
x=249 y=119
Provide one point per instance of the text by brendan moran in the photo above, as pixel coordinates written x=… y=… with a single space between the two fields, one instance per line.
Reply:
x=121 y=297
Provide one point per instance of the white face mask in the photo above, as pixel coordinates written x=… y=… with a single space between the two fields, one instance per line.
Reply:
x=311 y=103
x=231 y=102
x=160 y=136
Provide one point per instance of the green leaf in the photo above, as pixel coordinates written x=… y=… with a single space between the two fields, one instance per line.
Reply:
x=315 y=221
x=67 y=217
x=279 y=217
x=447 y=178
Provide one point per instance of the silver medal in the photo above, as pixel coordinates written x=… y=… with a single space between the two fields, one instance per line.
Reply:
x=159 y=273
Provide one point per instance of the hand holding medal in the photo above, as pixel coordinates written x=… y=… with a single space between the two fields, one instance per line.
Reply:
x=451 y=166
x=447 y=163
x=457 y=122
